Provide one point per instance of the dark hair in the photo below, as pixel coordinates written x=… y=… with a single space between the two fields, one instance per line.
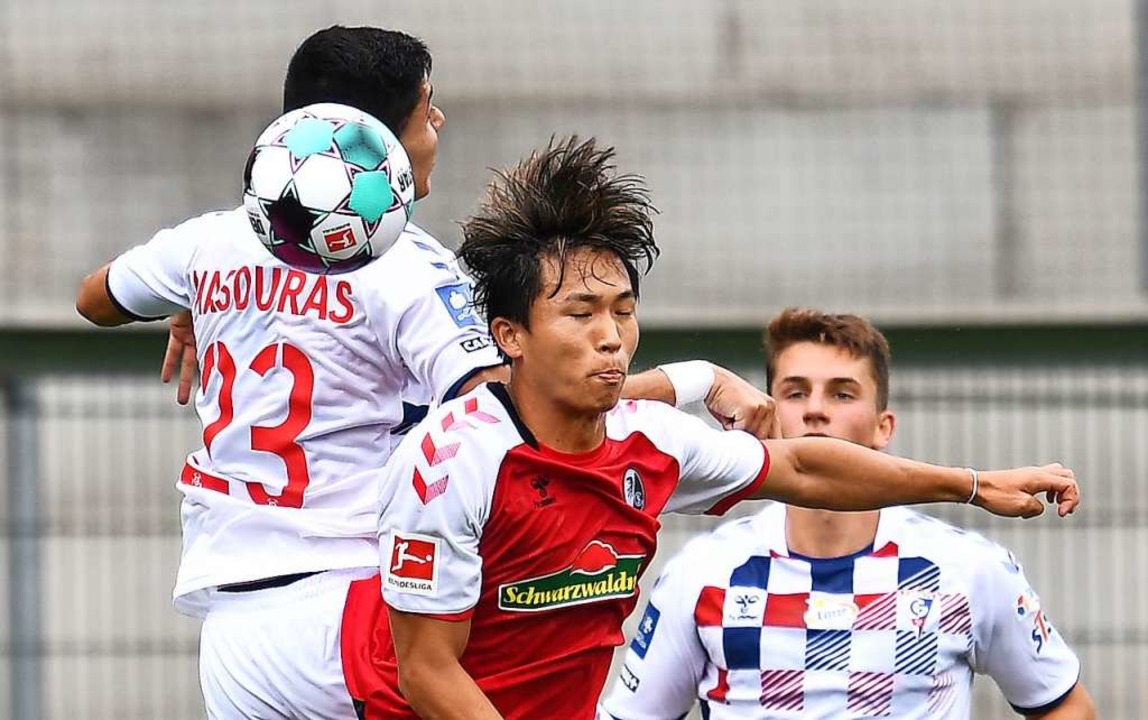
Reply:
x=851 y=333
x=377 y=71
x=561 y=199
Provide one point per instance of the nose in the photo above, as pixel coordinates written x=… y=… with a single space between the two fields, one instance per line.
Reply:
x=609 y=338
x=815 y=412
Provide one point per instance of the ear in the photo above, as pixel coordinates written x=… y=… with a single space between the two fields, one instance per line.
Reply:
x=883 y=433
x=507 y=334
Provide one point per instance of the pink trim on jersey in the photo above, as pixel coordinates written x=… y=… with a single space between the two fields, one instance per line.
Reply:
x=722 y=506
x=876 y=611
x=783 y=690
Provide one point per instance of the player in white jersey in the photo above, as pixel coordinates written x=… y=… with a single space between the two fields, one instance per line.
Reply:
x=303 y=384
x=814 y=614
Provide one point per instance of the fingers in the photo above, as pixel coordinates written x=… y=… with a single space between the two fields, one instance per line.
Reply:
x=171 y=356
x=757 y=415
x=1067 y=500
x=187 y=371
x=1026 y=491
x=1058 y=485
x=1033 y=507
x=760 y=422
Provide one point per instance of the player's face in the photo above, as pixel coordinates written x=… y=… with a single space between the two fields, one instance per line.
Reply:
x=420 y=138
x=825 y=390
x=577 y=350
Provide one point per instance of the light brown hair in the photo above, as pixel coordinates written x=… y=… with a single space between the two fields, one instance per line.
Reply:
x=851 y=333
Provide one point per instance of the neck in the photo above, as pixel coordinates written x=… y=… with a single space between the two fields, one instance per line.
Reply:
x=826 y=534
x=555 y=425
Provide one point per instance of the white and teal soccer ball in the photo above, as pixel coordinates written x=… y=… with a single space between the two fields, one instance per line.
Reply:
x=328 y=188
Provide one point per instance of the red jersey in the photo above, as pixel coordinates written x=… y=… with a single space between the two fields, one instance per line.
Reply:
x=541 y=550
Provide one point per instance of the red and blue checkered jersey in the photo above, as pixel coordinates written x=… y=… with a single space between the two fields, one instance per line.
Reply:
x=540 y=550
x=754 y=631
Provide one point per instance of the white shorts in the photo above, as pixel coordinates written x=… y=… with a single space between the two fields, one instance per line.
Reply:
x=274 y=654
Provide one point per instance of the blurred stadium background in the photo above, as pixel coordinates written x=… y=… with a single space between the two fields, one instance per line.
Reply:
x=969 y=173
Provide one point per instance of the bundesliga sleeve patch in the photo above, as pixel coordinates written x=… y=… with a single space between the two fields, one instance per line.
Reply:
x=645 y=635
x=459 y=303
x=413 y=567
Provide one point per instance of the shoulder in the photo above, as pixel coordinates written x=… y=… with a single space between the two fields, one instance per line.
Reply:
x=473 y=430
x=229 y=228
x=709 y=559
x=946 y=544
x=415 y=266
x=661 y=422
x=219 y=226
x=416 y=252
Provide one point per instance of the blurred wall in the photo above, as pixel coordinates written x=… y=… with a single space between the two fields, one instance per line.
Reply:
x=917 y=159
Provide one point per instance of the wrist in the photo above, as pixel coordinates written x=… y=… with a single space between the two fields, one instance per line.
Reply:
x=976 y=487
x=691 y=380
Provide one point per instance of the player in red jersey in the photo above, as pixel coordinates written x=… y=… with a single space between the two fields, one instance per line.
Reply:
x=516 y=519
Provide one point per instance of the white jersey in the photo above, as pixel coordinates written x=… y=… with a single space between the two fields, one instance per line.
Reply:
x=302 y=379
x=755 y=631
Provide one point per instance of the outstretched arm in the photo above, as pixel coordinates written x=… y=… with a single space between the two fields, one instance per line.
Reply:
x=838 y=475
x=430 y=676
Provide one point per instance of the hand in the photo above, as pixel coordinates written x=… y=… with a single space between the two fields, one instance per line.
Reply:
x=1012 y=493
x=180 y=351
x=738 y=405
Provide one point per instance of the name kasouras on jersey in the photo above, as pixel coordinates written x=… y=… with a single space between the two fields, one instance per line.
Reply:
x=273 y=289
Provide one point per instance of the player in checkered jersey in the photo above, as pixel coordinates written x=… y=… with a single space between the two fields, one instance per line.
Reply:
x=305 y=382
x=816 y=614
x=516 y=519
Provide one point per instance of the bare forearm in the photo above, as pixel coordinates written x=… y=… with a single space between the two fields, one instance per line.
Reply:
x=649 y=385
x=838 y=475
x=446 y=693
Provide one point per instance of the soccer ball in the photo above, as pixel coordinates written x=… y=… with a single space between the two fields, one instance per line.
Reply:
x=328 y=188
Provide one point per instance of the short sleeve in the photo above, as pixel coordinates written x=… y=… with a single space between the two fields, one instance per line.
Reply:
x=150 y=281
x=666 y=660
x=719 y=468
x=430 y=526
x=441 y=338
x=1015 y=642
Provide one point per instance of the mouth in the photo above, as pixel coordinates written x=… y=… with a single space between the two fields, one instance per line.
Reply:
x=612 y=376
x=814 y=434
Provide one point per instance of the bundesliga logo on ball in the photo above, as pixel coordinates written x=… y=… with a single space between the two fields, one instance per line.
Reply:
x=328 y=188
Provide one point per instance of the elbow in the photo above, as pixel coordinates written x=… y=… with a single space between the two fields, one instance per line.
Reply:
x=803 y=486
x=414 y=679
x=91 y=312
x=87 y=312
x=93 y=303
